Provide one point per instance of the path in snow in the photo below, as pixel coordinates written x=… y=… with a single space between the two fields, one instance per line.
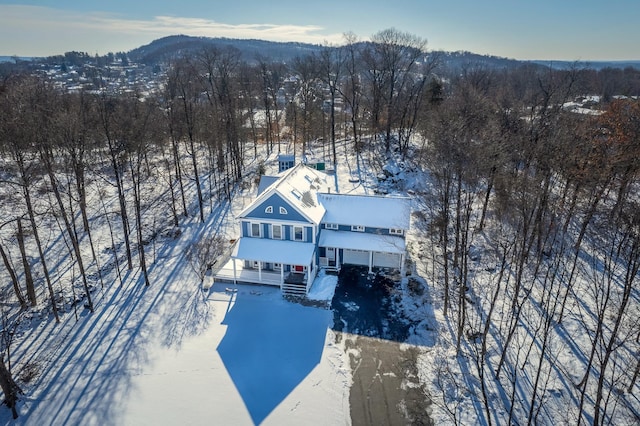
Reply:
x=386 y=388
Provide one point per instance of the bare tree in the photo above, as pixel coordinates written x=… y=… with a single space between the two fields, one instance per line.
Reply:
x=332 y=61
x=203 y=253
x=14 y=277
x=393 y=56
x=351 y=91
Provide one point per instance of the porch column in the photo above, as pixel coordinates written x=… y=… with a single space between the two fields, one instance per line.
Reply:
x=281 y=274
x=233 y=262
x=402 y=268
x=370 y=261
x=260 y=271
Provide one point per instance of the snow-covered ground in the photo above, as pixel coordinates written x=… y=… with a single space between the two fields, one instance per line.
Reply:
x=261 y=359
x=177 y=353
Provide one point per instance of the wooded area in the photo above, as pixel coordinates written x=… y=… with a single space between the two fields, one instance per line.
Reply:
x=549 y=192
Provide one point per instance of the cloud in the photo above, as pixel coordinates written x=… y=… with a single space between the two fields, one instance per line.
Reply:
x=36 y=30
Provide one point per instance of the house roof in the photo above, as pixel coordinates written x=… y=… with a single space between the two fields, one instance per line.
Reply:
x=298 y=186
x=274 y=251
x=266 y=182
x=366 y=210
x=361 y=241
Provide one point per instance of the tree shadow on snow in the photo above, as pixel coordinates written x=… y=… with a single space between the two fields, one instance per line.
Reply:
x=87 y=368
x=268 y=350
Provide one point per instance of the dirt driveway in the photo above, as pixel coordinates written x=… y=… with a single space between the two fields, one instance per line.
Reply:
x=386 y=389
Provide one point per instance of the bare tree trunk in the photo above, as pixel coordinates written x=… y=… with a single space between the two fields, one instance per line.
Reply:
x=28 y=276
x=46 y=159
x=135 y=177
x=174 y=210
x=43 y=261
x=9 y=387
x=485 y=334
x=636 y=373
x=14 y=278
x=80 y=186
x=631 y=269
x=178 y=166
x=196 y=175
x=107 y=113
x=113 y=241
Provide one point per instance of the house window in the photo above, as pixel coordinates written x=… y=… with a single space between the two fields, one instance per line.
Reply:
x=393 y=231
x=297 y=233
x=255 y=230
x=283 y=210
x=331 y=226
x=269 y=209
x=277 y=266
x=357 y=228
x=276 y=232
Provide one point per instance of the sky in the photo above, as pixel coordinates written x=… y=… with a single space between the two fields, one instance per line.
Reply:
x=573 y=30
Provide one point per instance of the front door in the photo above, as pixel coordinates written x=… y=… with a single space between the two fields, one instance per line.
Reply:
x=331 y=256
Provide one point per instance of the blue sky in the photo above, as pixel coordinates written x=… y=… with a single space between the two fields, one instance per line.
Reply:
x=572 y=30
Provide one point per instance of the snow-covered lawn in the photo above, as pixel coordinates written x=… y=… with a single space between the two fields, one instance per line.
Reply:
x=254 y=358
x=174 y=353
x=261 y=359
x=179 y=352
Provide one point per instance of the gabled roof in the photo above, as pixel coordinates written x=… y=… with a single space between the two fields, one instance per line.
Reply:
x=298 y=186
x=266 y=182
x=367 y=210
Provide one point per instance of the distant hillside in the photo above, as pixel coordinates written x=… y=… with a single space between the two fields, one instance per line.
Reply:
x=163 y=49
x=463 y=59
x=596 y=65
x=172 y=46
x=160 y=50
x=14 y=58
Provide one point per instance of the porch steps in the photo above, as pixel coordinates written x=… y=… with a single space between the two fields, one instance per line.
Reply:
x=295 y=290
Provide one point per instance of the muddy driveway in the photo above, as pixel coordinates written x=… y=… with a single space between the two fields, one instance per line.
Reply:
x=386 y=389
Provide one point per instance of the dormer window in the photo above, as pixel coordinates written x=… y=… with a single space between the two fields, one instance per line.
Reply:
x=283 y=210
x=357 y=228
x=331 y=226
x=269 y=209
x=393 y=231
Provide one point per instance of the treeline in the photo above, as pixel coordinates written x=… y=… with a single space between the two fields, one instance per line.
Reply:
x=533 y=230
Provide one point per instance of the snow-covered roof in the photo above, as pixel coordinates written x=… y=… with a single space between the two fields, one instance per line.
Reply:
x=366 y=210
x=274 y=251
x=299 y=187
x=265 y=182
x=361 y=241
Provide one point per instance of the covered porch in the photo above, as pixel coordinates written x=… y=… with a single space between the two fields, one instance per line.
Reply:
x=287 y=264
